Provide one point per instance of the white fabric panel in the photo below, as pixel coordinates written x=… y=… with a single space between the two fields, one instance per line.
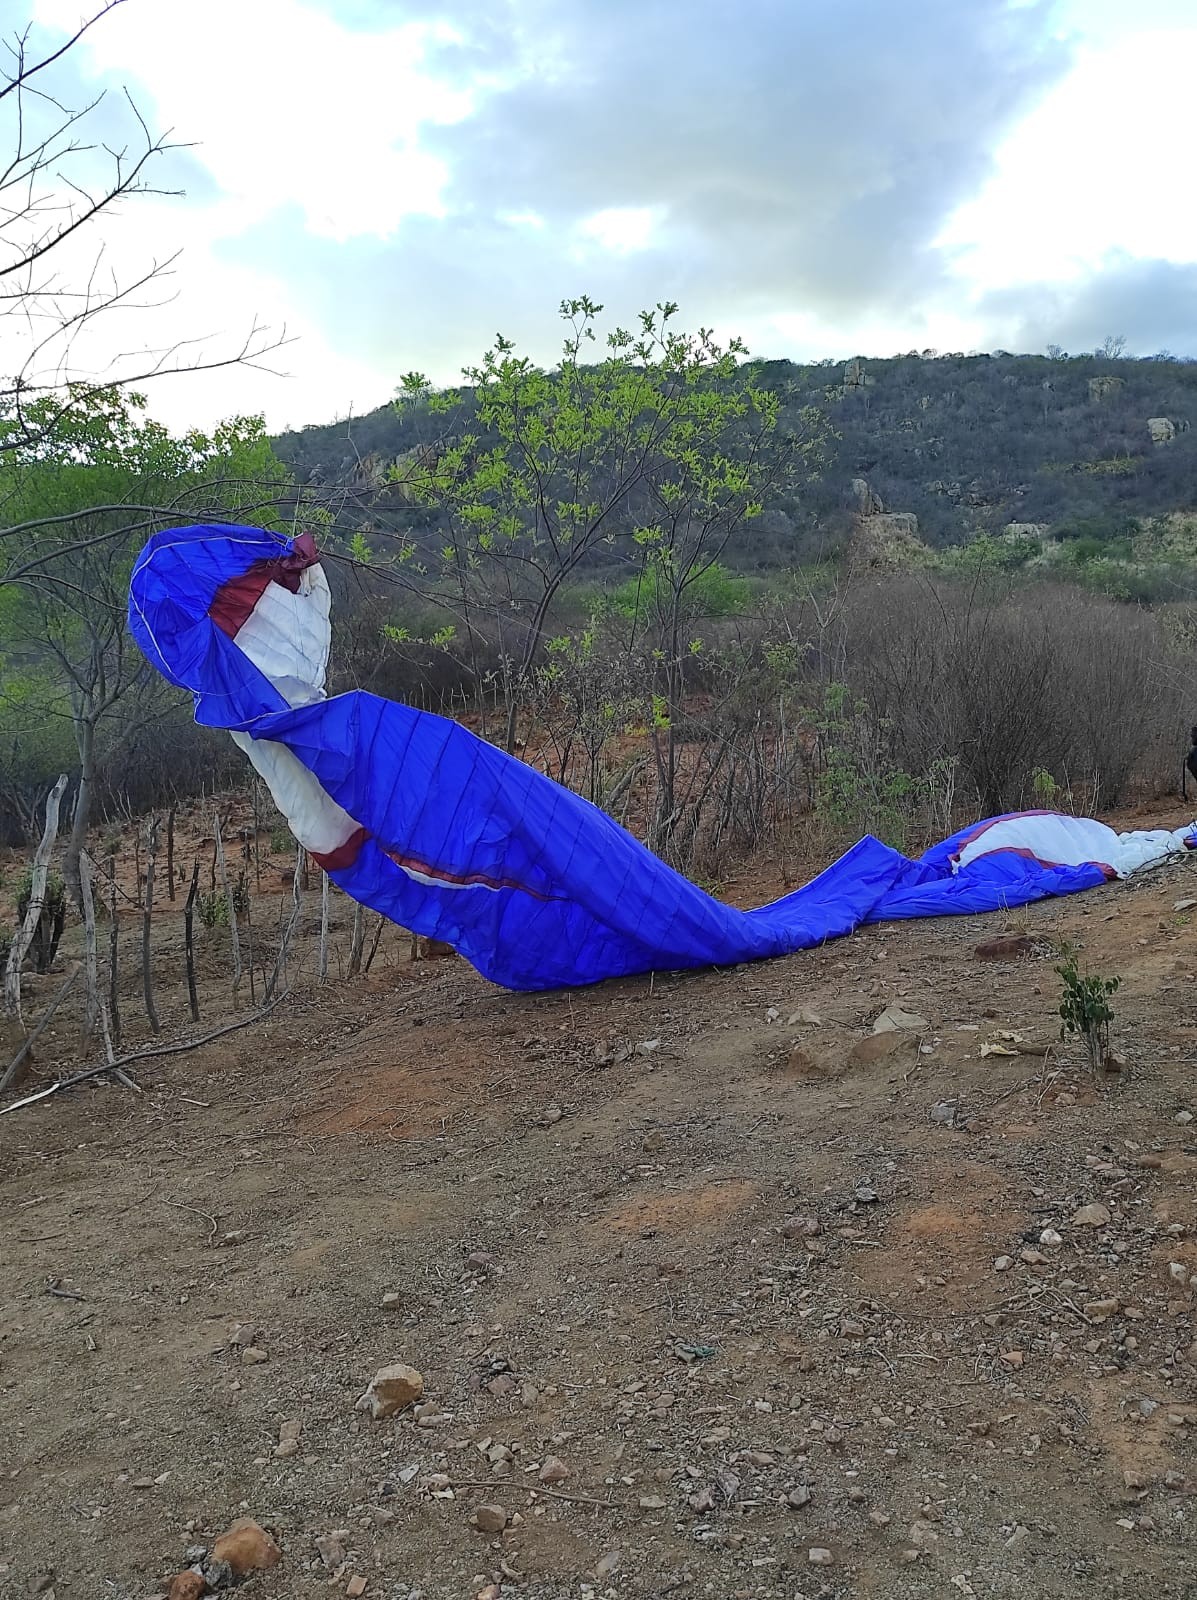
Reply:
x=288 y=637
x=1073 y=841
x=315 y=818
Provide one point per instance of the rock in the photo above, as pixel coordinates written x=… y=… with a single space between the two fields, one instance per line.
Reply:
x=392 y=1389
x=331 y=1551
x=804 y=1017
x=703 y=1501
x=1162 y=430
x=1100 y=1310
x=804 y=1227
x=820 y=1558
x=944 y=1112
x=879 y=1045
x=489 y=1591
x=1183 y=1117
x=651 y=1502
x=864 y=500
x=243 y=1335
x=894 y=1019
x=798 y=1497
x=480 y=1260
x=187 y=1586
x=246 y=1547
x=608 y=1564
x=1104 y=388
x=1179 y=1273
x=1050 y=1239
x=1027 y=530
x=1033 y=1258
x=1017 y=1539
x=1011 y=948
x=553 y=1470
x=1003 y=1263
x=289 y=1432
x=1092 y=1216
x=1012 y=1358
x=356 y=1587
x=390 y=1300
x=490 y=1519
x=219 y=1574
x=922 y=1535
x=288 y=1448
x=253 y=1356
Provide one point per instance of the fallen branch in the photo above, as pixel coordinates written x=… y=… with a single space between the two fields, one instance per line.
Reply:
x=144 y=1055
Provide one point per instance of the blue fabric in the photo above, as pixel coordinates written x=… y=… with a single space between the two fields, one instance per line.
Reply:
x=581 y=899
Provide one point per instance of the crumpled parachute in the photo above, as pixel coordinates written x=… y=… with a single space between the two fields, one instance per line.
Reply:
x=414 y=816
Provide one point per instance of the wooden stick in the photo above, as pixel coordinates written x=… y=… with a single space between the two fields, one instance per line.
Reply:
x=228 y=895
x=322 y=966
x=37 y=899
x=358 y=941
x=170 y=855
x=91 y=1005
x=113 y=936
x=189 y=941
x=147 y=977
x=382 y=922
x=15 y=1065
x=280 y=965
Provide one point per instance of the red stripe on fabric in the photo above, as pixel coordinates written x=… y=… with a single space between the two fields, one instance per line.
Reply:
x=460 y=880
x=344 y=855
x=233 y=603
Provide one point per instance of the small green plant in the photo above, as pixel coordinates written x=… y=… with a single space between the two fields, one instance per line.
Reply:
x=1085 y=1009
x=1044 y=787
x=213 y=909
x=281 y=840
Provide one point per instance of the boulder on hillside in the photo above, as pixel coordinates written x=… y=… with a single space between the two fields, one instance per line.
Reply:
x=1104 y=388
x=1027 y=530
x=1161 y=429
x=864 y=499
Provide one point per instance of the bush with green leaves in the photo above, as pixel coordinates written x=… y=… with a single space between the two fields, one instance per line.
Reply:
x=1085 y=1009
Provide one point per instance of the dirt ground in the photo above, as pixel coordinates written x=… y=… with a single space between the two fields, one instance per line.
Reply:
x=685 y=1236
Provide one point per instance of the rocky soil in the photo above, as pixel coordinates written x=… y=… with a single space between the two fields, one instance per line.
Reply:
x=706 y=1288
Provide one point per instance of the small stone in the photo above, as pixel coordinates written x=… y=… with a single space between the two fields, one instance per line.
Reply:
x=1179 y=1273
x=880 y=1519
x=1183 y=1117
x=246 y=1547
x=1050 y=1239
x=944 y=1112
x=490 y=1519
x=288 y=1448
x=289 y=1432
x=356 y=1587
x=820 y=1558
x=480 y=1260
x=1003 y=1263
x=798 y=1497
x=1012 y=1358
x=608 y=1564
x=219 y=1574
x=1099 y=1310
x=1092 y=1216
x=187 y=1586
x=331 y=1551
x=243 y=1335
x=253 y=1356
x=651 y=1502
x=390 y=1300
x=1033 y=1258
x=554 y=1470
x=922 y=1535
x=391 y=1389
x=1017 y=1539
x=489 y=1591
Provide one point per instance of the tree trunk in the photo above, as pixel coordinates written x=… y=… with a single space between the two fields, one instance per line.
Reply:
x=322 y=971
x=23 y=937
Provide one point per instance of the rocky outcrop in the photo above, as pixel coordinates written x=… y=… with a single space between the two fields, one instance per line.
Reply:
x=887 y=541
x=864 y=500
x=1027 y=530
x=1104 y=388
x=1161 y=429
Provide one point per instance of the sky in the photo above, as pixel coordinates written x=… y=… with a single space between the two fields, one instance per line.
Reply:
x=396 y=181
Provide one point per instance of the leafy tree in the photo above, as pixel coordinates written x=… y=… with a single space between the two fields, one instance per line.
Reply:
x=78 y=501
x=658 y=452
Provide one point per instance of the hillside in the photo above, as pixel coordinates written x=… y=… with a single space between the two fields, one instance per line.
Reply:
x=1086 y=445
